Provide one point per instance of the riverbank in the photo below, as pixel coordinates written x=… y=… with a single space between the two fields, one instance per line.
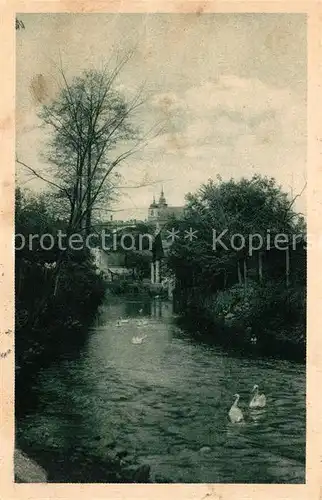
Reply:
x=45 y=329
x=137 y=288
x=260 y=321
x=27 y=470
x=41 y=444
x=114 y=411
x=42 y=461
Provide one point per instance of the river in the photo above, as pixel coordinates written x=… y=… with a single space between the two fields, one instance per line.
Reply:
x=166 y=401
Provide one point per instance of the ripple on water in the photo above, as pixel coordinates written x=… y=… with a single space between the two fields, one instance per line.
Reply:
x=166 y=400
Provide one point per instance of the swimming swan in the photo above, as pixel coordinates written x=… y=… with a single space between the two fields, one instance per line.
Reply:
x=258 y=400
x=121 y=321
x=138 y=340
x=142 y=322
x=235 y=414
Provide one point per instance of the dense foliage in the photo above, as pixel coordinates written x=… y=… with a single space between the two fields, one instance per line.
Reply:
x=250 y=293
x=135 y=243
x=53 y=303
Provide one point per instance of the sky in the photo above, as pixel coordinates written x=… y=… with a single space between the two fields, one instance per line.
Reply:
x=229 y=90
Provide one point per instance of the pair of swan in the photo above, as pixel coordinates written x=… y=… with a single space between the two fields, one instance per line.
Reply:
x=138 y=340
x=121 y=321
x=142 y=322
x=258 y=401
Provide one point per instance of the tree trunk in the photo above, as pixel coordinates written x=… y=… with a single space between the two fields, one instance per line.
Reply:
x=287 y=266
x=260 y=266
x=80 y=187
x=240 y=279
x=89 y=193
x=245 y=273
x=225 y=279
x=56 y=283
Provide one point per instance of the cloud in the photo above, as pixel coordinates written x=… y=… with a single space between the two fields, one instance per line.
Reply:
x=167 y=102
x=223 y=111
x=233 y=127
x=242 y=97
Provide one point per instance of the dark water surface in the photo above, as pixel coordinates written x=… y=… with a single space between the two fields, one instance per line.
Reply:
x=166 y=402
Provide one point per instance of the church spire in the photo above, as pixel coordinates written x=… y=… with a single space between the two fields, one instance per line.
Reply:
x=153 y=204
x=162 y=200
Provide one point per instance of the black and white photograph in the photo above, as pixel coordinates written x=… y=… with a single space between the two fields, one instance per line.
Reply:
x=160 y=248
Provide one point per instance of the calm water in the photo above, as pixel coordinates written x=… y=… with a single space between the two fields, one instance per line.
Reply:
x=165 y=400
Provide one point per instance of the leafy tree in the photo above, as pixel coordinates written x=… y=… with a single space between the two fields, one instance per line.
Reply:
x=230 y=287
x=245 y=207
x=77 y=291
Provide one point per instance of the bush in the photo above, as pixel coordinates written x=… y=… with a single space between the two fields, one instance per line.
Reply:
x=79 y=292
x=54 y=302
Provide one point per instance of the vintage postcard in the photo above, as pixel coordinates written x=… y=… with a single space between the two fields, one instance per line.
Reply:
x=161 y=250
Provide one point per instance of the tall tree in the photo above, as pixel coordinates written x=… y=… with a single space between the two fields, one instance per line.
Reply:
x=89 y=125
x=90 y=119
x=245 y=207
x=91 y=132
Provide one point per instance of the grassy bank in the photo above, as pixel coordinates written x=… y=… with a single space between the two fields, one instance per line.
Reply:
x=90 y=462
x=265 y=318
x=60 y=331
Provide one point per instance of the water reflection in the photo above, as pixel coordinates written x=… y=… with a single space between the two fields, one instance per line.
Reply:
x=166 y=402
x=257 y=414
x=157 y=308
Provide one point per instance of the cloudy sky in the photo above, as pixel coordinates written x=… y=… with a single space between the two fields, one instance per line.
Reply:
x=229 y=90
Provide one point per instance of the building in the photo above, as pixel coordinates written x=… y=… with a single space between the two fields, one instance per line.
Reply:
x=160 y=212
x=112 y=264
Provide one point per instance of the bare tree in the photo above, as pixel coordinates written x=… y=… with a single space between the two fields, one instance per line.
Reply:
x=90 y=121
x=91 y=132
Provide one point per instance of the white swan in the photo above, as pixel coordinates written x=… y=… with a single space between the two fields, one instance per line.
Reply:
x=235 y=414
x=141 y=322
x=121 y=321
x=138 y=340
x=258 y=400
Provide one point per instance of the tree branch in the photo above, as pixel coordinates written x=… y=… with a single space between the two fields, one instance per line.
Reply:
x=33 y=171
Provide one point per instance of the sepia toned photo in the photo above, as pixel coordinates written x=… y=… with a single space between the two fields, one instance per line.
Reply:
x=161 y=248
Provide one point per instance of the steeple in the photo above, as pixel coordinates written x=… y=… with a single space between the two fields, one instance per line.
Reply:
x=162 y=200
x=153 y=204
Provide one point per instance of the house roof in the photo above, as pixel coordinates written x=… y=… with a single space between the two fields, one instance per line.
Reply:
x=119 y=270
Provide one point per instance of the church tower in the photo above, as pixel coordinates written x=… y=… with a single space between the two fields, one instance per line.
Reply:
x=162 y=200
x=158 y=212
x=153 y=210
